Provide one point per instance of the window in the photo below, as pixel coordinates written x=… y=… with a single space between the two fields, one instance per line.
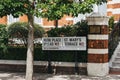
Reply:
x=37 y=20
x=11 y=19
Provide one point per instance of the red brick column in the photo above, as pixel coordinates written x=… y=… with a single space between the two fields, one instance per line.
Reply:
x=98 y=45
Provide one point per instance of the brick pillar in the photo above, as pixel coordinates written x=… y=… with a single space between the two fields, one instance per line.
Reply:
x=97 y=45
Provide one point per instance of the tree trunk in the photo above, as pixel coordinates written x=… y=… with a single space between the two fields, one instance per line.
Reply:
x=56 y=23
x=30 y=49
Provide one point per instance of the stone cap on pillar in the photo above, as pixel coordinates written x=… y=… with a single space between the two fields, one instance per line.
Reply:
x=97 y=19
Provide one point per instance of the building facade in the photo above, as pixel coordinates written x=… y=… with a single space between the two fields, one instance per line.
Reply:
x=113 y=9
x=66 y=20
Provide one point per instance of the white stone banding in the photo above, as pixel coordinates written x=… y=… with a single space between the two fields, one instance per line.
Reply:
x=97 y=51
x=98 y=37
x=98 y=69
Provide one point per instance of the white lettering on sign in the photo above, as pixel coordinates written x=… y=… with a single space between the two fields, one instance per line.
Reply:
x=64 y=43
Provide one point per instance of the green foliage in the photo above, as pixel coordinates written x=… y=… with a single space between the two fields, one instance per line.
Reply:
x=20 y=30
x=19 y=53
x=38 y=31
x=79 y=29
x=111 y=23
x=14 y=7
x=51 y=9
x=3 y=38
x=64 y=31
x=14 y=53
x=55 y=9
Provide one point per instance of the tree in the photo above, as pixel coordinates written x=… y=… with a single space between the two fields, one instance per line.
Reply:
x=18 y=8
x=51 y=9
x=56 y=9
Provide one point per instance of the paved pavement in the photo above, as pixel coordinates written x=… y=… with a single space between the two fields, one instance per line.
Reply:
x=38 y=76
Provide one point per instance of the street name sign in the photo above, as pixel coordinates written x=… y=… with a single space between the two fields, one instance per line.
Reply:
x=64 y=43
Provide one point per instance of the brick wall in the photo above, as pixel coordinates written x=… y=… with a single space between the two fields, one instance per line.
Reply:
x=45 y=22
x=113 y=9
x=23 y=18
x=3 y=20
x=63 y=21
x=42 y=67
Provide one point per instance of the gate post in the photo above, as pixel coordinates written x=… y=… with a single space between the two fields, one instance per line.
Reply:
x=98 y=45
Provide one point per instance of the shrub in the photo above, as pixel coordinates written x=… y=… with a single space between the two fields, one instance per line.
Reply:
x=3 y=38
x=111 y=24
x=57 y=32
x=79 y=29
x=19 y=53
x=20 y=30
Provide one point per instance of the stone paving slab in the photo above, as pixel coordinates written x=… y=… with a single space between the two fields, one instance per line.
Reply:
x=39 y=76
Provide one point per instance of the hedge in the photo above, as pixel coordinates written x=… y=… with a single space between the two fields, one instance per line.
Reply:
x=19 y=53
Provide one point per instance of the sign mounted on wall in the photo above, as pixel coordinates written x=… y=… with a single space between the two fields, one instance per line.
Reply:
x=64 y=43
